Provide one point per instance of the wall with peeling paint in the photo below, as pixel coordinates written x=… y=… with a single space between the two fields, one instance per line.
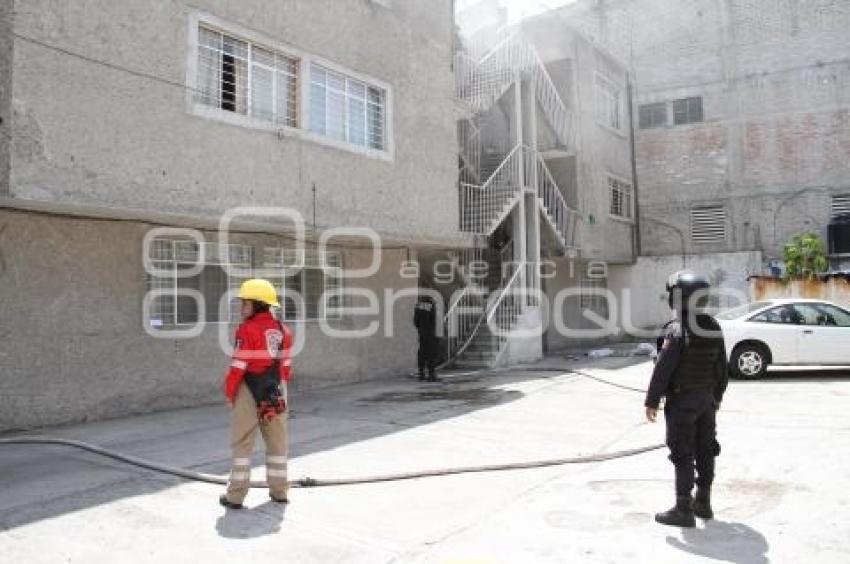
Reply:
x=836 y=290
x=775 y=143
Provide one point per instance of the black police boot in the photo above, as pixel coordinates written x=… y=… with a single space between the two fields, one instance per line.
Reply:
x=681 y=515
x=702 y=504
x=228 y=504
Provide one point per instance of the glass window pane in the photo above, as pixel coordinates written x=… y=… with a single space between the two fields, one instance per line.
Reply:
x=209 y=38
x=262 y=93
x=318 y=75
x=317 y=108
x=336 y=81
x=286 y=101
x=357 y=122
x=356 y=89
x=335 y=124
x=209 y=77
x=375 y=125
x=262 y=56
x=235 y=47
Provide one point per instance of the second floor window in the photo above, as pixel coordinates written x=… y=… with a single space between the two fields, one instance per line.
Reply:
x=621 y=198
x=687 y=110
x=244 y=78
x=346 y=109
x=609 y=104
x=652 y=115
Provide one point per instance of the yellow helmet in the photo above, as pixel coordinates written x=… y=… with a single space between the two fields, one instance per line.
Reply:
x=260 y=290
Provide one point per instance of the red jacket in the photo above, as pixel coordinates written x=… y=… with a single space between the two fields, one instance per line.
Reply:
x=260 y=340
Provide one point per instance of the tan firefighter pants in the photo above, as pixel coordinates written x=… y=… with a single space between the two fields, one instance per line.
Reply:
x=243 y=432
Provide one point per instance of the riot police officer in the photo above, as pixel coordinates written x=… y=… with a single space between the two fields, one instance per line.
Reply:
x=691 y=373
x=425 y=321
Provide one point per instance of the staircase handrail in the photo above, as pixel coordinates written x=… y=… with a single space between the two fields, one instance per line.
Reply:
x=491 y=310
x=526 y=58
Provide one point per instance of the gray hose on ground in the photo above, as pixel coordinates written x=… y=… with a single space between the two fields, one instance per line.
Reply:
x=312 y=482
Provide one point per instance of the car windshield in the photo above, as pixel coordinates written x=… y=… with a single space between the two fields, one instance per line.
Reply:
x=740 y=311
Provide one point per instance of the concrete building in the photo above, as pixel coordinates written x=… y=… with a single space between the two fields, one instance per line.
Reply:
x=138 y=115
x=743 y=126
x=545 y=184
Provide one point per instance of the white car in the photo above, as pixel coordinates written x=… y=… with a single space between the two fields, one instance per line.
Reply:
x=785 y=332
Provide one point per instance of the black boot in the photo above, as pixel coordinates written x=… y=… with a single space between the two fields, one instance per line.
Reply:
x=681 y=515
x=228 y=504
x=702 y=504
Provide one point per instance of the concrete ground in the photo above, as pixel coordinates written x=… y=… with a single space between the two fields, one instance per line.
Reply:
x=781 y=494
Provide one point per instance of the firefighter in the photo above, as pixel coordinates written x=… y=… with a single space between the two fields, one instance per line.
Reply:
x=255 y=388
x=691 y=373
x=425 y=321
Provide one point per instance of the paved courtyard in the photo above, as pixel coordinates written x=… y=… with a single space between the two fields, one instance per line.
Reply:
x=781 y=494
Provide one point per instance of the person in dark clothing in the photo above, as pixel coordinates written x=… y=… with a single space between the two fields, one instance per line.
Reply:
x=691 y=372
x=425 y=320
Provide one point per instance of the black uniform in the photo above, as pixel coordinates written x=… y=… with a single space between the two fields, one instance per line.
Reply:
x=691 y=372
x=425 y=320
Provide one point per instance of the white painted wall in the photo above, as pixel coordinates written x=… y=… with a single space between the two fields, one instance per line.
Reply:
x=646 y=280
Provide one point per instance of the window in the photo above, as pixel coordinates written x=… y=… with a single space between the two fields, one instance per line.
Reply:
x=592 y=295
x=652 y=115
x=621 y=198
x=840 y=205
x=244 y=78
x=823 y=314
x=785 y=314
x=309 y=282
x=708 y=224
x=688 y=110
x=346 y=109
x=740 y=311
x=608 y=104
x=172 y=309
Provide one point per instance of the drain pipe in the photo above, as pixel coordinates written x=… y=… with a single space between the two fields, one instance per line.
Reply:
x=636 y=242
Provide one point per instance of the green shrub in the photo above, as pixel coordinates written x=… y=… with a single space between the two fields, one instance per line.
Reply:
x=805 y=256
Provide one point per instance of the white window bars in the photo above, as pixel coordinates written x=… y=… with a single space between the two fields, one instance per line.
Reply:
x=245 y=78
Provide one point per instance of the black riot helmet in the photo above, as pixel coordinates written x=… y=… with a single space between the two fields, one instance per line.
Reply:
x=682 y=285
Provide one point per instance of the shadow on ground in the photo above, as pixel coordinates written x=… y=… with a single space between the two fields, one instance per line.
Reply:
x=724 y=542
x=249 y=523
x=44 y=482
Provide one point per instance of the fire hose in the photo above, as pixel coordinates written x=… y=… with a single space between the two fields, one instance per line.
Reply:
x=308 y=482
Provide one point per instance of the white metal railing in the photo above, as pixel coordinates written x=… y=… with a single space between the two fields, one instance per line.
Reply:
x=506 y=307
x=482 y=79
x=463 y=319
x=502 y=308
x=469 y=141
x=564 y=219
x=482 y=207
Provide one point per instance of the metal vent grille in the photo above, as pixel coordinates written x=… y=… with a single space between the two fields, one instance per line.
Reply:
x=708 y=225
x=840 y=205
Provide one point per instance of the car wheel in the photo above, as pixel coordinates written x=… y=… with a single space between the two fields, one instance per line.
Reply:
x=749 y=361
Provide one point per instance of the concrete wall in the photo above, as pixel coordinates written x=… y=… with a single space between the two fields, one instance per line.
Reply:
x=640 y=289
x=835 y=290
x=6 y=56
x=72 y=345
x=775 y=141
x=601 y=152
x=121 y=134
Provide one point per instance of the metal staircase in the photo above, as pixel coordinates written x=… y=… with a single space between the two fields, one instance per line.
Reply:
x=491 y=182
x=483 y=75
